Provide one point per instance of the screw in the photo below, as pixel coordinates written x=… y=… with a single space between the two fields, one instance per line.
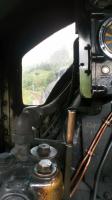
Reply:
x=82 y=64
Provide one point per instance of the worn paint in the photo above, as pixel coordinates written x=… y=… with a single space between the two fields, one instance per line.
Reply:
x=49 y=189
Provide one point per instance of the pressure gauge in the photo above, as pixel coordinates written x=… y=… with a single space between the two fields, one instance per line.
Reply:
x=105 y=37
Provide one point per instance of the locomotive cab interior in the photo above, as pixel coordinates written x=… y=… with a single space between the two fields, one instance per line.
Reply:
x=61 y=148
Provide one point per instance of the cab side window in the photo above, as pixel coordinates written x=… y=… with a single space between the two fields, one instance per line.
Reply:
x=43 y=65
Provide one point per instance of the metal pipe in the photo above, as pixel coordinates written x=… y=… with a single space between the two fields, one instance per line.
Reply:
x=68 y=159
x=67 y=176
x=87 y=159
x=70 y=126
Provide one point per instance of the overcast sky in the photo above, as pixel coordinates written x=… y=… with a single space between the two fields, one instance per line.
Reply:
x=43 y=51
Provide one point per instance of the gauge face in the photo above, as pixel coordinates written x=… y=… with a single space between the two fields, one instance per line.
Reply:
x=105 y=37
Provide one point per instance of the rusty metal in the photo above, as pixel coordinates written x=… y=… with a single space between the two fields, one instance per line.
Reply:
x=68 y=159
x=67 y=175
x=87 y=159
x=70 y=126
x=47 y=184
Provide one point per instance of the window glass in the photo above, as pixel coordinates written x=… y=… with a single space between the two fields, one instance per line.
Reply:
x=45 y=64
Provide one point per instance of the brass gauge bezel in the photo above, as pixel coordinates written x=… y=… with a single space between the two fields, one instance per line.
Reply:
x=106 y=50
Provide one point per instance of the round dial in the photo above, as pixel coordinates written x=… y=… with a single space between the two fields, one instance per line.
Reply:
x=105 y=37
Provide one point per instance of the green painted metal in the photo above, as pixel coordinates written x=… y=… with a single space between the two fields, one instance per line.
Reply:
x=85 y=84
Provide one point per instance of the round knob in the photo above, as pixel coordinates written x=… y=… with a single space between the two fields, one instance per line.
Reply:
x=43 y=150
x=44 y=167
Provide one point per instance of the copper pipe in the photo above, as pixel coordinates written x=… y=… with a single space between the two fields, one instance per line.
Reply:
x=102 y=129
x=79 y=169
x=80 y=177
x=86 y=160
x=70 y=126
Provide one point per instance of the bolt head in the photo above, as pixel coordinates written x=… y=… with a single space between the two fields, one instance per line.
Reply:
x=43 y=150
x=44 y=166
